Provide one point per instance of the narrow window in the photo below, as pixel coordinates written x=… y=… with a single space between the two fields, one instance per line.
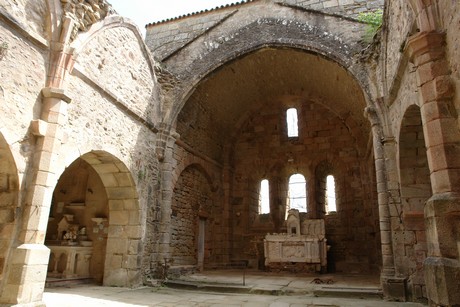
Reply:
x=264 y=197
x=291 y=120
x=330 y=194
x=297 y=193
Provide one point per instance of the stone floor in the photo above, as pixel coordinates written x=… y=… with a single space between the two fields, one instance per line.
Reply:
x=225 y=288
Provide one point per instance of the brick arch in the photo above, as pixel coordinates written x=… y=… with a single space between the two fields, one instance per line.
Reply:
x=122 y=226
x=9 y=190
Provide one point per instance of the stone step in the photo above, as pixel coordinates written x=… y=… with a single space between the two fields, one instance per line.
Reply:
x=65 y=282
x=217 y=287
x=348 y=292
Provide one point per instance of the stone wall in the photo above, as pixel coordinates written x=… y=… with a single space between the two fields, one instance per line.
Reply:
x=30 y=14
x=236 y=70
x=400 y=24
x=194 y=125
x=116 y=57
x=263 y=151
x=450 y=15
x=112 y=110
x=410 y=186
x=23 y=72
x=165 y=38
x=9 y=189
x=124 y=112
x=196 y=180
x=409 y=234
x=193 y=200
x=349 y=8
x=81 y=193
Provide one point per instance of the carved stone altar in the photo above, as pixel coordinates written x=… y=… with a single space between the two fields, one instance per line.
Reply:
x=71 y=252
x=69 y=261
x=304 y=243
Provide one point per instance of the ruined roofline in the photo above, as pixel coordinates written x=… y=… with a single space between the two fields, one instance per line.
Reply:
x=199 y=12
x=243 y=2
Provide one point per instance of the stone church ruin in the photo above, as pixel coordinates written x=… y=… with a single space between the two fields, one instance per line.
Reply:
x=196 y=146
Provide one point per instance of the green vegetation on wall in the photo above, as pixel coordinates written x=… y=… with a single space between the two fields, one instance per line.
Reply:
x=373 y=21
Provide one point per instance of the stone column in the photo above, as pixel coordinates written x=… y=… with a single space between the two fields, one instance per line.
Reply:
x=393 y=288
x=227 y=214
x=27 y=272
x=442 y=137
x=165 y=152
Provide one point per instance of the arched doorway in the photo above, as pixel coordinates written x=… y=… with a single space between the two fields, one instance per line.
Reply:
x=242 y=126
x=410 y=236
x=194 y=220
x=9 y=189
x=94 y=222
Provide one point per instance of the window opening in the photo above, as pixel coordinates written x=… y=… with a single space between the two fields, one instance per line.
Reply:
x=330 y=194
x=297 y=193
x=291 y=120
x=264 y=197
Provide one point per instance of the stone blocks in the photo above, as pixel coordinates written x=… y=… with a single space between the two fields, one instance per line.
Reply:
x=26 y=277
x=442 y=277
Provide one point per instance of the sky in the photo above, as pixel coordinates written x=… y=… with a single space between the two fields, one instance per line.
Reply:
x=143 y=12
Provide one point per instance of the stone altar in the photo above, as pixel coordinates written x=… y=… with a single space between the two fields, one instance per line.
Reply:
x=71 y=253
x=304 y=243
x=69 y=261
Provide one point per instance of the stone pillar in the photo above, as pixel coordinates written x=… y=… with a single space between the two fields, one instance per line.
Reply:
x=27 y=271
x=227 y=214
x=165 y=151
x=393 y=287
x=442 y=137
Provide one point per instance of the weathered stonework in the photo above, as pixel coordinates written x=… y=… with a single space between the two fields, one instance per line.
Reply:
x=160 y=161
x=85 y=13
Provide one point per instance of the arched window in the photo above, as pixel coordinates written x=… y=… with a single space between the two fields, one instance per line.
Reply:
x=291 y=120
x=330 y=194
x=264 y=197
x=297 y=193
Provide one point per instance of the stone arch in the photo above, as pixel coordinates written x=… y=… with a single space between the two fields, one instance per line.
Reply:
x=323 y=169
x=299 y=189
x=415 y=189
x=112 y=21
x=199 y=165
x=427 y=15
x=9 y=191
x=97 y=192
x=259 y=35
x=126 y=65
x=195 y=236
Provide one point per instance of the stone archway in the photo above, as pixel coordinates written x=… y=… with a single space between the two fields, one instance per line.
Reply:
x=95 y=215
x=415 y=182
x=241 y=126
x=9 y=189
x=194 y=235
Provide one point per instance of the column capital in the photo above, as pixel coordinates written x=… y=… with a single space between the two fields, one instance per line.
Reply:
x=53 y=92
x=425 y=47
x=372 y=116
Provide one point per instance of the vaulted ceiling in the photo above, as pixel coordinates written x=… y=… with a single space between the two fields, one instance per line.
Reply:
x=243 y=86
